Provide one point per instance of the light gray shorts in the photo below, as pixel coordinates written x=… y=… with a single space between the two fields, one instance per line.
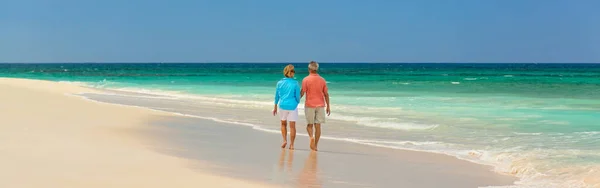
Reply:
x=314 y=115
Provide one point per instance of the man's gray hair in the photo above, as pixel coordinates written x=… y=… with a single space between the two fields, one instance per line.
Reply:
x=313 y=65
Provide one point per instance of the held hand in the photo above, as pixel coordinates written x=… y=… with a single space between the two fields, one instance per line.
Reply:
x=328 y=111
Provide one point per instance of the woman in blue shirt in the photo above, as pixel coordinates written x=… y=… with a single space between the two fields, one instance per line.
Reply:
x=287 y=98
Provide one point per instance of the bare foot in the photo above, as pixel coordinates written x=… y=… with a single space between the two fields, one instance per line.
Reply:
x=284 y=144
x=312 y=144
x=291 y=147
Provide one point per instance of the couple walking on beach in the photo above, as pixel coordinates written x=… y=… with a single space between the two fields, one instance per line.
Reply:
x=287 y=97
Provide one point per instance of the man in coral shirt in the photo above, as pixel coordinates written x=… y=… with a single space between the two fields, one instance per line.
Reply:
x=316 y=103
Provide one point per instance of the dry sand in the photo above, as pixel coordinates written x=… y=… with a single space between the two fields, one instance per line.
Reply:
x=51 y=139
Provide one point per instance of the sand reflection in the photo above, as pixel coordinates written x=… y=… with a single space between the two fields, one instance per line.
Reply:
x=308 y=176
x=286 y=165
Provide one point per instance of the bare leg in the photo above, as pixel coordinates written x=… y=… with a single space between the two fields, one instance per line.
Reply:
x=284 y=133
x=309 y=129
x=292 y=133
x=317 y=134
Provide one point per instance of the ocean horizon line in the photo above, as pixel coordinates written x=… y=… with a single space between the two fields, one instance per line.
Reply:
x=297 y=62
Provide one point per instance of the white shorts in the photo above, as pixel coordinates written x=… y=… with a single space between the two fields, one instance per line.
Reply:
x=289 y=115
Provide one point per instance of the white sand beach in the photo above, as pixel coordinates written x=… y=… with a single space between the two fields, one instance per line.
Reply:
x=49 y=139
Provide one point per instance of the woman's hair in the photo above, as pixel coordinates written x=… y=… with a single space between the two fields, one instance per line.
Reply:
x=288 y=70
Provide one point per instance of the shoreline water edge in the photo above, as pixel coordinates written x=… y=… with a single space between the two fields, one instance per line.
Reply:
x=106 y=142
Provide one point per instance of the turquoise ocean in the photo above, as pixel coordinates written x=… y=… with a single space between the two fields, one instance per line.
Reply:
x=539 y=122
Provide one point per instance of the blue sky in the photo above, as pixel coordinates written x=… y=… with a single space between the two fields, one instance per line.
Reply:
x=283 y=31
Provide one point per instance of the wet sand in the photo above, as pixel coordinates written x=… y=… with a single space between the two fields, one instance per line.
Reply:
x=244 y=150
x=241 y=152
